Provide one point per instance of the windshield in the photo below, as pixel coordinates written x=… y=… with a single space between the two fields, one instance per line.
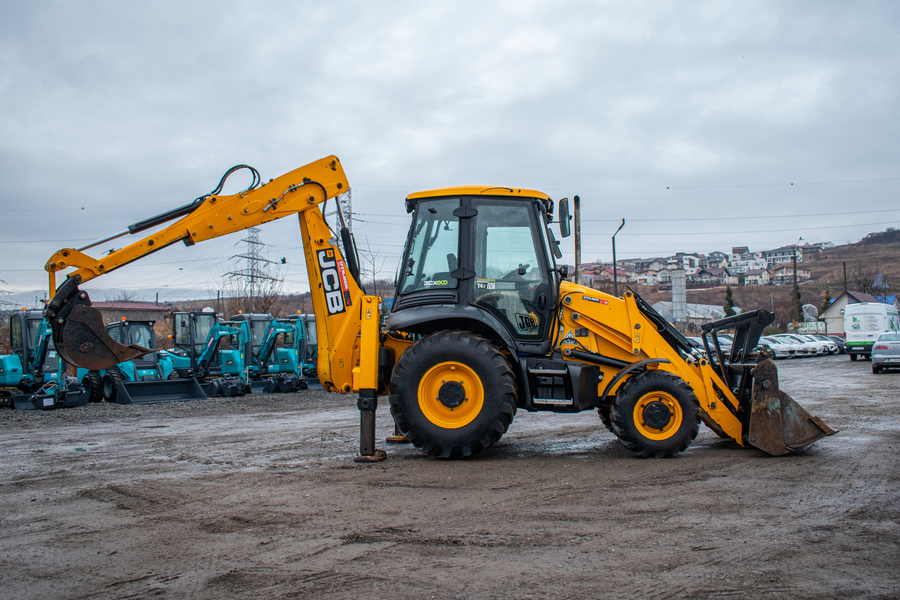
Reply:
x=142 y=335
x=433 y=247
x=889 y=337
x=258 y=331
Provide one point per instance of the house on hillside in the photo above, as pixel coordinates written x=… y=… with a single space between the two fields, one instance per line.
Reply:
x=647 y=277
x=714 y=277
x=834 y=314
x=744 y=260
x=650 y=264
x=682 y=260
x=716 y=260
x=811 y=251
x=756 y=277
x=783 y=255
x=784 y=275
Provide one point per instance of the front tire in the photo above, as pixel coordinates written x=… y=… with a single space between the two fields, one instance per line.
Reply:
x=111 y=383
x=453 y=394
x=656 y=414
x=93 y=383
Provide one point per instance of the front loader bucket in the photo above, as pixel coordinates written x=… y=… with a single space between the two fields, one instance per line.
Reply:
x=164 y=390
x=778 y=425
x=79 y=334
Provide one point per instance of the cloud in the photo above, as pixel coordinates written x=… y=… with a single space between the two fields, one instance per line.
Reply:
x=111 y=112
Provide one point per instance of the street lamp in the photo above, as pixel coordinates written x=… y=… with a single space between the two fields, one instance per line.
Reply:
x=615 y=274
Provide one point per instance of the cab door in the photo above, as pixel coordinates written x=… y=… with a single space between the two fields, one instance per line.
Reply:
x=512 y=273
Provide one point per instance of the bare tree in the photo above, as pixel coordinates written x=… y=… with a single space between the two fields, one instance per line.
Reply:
x=370 y=271
x=868 y=278
x=263 y=297
x=123 y=296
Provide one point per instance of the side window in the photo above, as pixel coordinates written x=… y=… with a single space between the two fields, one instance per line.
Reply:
x=434 y=248
x=205 y=324
x=508 y=273
x=182 y=333
x=15 y=332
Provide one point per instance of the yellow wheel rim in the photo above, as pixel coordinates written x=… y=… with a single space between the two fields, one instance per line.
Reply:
x=657 y=415
x=451 y=395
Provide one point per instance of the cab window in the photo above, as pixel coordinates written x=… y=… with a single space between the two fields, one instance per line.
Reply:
x=433 y=248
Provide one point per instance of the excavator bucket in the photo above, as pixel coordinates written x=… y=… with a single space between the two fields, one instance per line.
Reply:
x=79 y=334
x=778 y=425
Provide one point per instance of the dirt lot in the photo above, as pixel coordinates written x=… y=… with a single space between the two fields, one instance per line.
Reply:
x=258 y=497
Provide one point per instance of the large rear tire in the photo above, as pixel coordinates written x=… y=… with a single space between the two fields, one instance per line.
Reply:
x=453 y=394
x=93 y=383
x=656 y=414
x=111 y=383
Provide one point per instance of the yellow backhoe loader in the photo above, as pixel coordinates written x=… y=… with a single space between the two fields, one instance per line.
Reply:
x=483 y=324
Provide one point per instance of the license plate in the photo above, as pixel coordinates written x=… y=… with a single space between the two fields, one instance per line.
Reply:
x=892 y=360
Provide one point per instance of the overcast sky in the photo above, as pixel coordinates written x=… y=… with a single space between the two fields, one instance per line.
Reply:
x=705 y=125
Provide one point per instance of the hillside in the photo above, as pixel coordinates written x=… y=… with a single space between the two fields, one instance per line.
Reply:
x=879 y=252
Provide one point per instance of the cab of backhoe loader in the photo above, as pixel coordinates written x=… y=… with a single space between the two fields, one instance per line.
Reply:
x=481 y=260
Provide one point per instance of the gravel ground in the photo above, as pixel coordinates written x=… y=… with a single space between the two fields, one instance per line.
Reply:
x=259 y=497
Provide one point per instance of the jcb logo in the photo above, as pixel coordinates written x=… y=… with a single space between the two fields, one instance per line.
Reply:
x=331 y=282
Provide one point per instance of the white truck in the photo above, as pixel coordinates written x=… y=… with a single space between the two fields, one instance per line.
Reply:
x=862 y=324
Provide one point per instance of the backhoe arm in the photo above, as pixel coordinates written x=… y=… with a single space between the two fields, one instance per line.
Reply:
x=78 y=330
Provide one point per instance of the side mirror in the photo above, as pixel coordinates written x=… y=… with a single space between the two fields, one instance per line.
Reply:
x=565 y=229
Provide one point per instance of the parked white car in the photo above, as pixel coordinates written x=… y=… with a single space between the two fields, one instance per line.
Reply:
x=783 y=348
x=803 y=348
x=815 y=348
x=828 y=346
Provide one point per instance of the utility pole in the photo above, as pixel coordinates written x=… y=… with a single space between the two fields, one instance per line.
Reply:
x=796 y=285
x=577 y=206
x=615 y=268
x=845 y=276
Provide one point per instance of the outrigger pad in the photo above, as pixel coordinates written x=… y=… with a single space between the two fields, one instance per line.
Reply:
x=79 y=334
x=778 y=425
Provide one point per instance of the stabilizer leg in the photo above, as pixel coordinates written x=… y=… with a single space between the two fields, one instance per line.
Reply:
x=367 y=404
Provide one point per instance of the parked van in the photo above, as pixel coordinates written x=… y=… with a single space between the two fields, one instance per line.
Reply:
x=862 y=324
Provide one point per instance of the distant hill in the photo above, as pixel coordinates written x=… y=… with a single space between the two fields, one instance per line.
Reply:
x=876 y=252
